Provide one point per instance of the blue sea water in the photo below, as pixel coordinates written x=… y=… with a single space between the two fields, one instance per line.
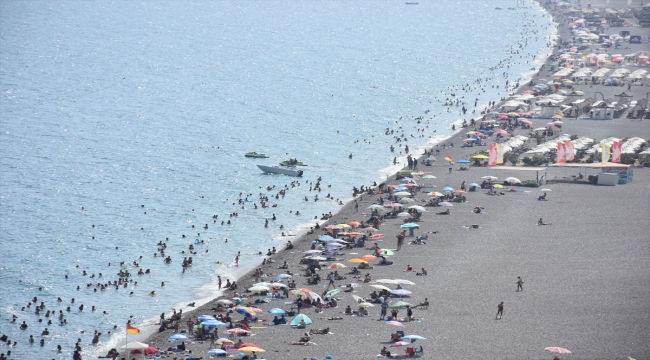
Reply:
x=123 y=124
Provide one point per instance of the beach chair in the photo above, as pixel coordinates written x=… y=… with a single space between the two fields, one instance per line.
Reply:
x=420 y=350
x=410 y=351
x=399 y=332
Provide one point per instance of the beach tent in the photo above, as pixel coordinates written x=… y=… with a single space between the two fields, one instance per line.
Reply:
x=296 y=320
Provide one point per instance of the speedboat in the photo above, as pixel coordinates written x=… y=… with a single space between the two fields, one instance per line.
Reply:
x=280 y=170
x=253 y=154
x=292 y=162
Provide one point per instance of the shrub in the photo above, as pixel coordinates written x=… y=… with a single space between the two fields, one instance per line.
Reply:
x=526 y=160
x=513 y=158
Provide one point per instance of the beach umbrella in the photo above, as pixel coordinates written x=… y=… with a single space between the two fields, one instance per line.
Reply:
x=277 y=311
x=305 y=290
x=354 y=223
x=413 y=337
x=381 y=287
x=463 y=161
x=400 y=304
x=406 y=201
x=223 y=302
x=557 y=350
x=459 y=191
x=410 y=226
x=283 y=276
x=435 y=193
x=375 y=206
x=206 y=317
x=400 y=189
x=376 y=237
x=402 y=193
x=498 y=186
x=545 y=190
x=332 y=227
x=396 y=323
x=447 y=189
x=445 y=203
x=344 y=226
x=259 y=289
x=316 y=257
x=366 y=304
x=176 y=337
x=429 y=177
x=401 y=292
x=385 y=252
x=237 y=331
x=224 y=341
x=212 y=323
x=325 y=238
x=216 y=352
x=402 y=281
x=480 y=156
x=404 y=214
x=337 y=266
x=385 y=281
x=134 y=345
x=245 y=312
x=312 y=252
x=251 y=349
x=418 y=208
x=356 y=260
x=475 y=184
x=513 y=180
x=296 y=320
x=332 y=292
x=368 y=257
x=488 y=177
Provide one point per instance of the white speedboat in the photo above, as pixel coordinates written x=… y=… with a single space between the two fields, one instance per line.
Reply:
x=280 y=170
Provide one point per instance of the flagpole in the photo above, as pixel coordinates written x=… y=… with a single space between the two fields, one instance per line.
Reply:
x=126 y=339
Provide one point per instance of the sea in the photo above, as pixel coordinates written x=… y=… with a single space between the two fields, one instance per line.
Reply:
x=124 y=124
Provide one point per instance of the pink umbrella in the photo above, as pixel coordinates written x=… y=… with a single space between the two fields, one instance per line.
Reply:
x=396 y=323
x=332 y=227
x=526 y=122
x=237 y=331
x=400 y=343
x=557 y=350
x=503 y=116
x=503 y=132
x=376 y=236
x=392 y=205
x=480 y=134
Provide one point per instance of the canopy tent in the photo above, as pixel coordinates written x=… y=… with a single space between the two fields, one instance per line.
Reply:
x=523 y=168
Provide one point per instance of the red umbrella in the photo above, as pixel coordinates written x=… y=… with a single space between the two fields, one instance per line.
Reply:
x=247 y=344
x=557 y=350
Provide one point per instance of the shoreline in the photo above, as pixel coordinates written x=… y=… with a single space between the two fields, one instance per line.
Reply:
x=346 y=213
x=303 y=240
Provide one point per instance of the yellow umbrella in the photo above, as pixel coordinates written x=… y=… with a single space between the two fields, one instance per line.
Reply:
x=471 y=132
x=250 y=349
x=479 y=157
x=343 y=226
x=435 y=193
x=513 y=114
x=356 y=261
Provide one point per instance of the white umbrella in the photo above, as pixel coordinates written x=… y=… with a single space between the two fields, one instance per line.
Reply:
x=402 y=193
x=381 y=287
x=545 y=190
x=358 y=298
x=406 y=201
x=312 y=252
x=134 y=345
x=513 y=180
x=402 y=281
x=490 y=177
x=404 y=214
x=418 y=208
x=375 y=206
x=401 y=292
x=386 y=281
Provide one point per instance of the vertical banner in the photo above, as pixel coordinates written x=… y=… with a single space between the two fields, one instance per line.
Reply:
x=499 y=153
x=569 y=150
x=616 y=152
x=607 y=150
x=492 y=157
x=560 y=153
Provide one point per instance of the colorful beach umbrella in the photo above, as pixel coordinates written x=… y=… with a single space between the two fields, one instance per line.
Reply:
x=410 y=226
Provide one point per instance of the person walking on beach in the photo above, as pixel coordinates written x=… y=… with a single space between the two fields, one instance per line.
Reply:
x=499 y=311
x=437 y=149
x=462 y=186
x=451 y=165
x=384 y=310
x=400 y=239
x=520 y=284
x=331 y=277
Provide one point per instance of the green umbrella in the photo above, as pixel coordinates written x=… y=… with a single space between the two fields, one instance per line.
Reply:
x=429 y=177
x=332 y=292
x=410 y=225
x=400 y=304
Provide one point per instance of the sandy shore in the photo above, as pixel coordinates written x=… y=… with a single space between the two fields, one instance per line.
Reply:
x=587 y=283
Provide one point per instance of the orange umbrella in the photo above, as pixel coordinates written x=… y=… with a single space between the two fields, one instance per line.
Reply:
x=356 y=261
x=368 y=257
x=354 y=223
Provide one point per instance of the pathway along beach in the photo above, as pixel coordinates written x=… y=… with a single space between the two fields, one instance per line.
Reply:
x=587 y=283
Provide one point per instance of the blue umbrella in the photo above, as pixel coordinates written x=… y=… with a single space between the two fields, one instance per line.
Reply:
x=482 y=131
x=283 y=276
x=296 y=320
x=464 y=161
x=447 y=188
x=475 y=184
x=212 y=323
x=216 y=352
x=277 y=311
x=177 y=337
x=413 y=337
x=206 y=317
x=325 y=238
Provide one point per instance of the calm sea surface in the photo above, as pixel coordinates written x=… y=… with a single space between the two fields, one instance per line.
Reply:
x=123 y=124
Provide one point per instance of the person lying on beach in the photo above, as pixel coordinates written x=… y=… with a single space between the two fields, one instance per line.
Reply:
x=477 y=210
x=540 y=222
x=361 y=312
x=422 y=272
x=319 y=331
x=424 y=303
x=542 y=197
x=447 y=212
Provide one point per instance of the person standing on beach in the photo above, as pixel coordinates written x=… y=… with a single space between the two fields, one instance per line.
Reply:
x=451 y=165
x=384 y=310
x=520 y=284
x=219 y=281
x=499 y=311
x=437 y=149
x=400 y=239
x=331 y=277
x=462 y=186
